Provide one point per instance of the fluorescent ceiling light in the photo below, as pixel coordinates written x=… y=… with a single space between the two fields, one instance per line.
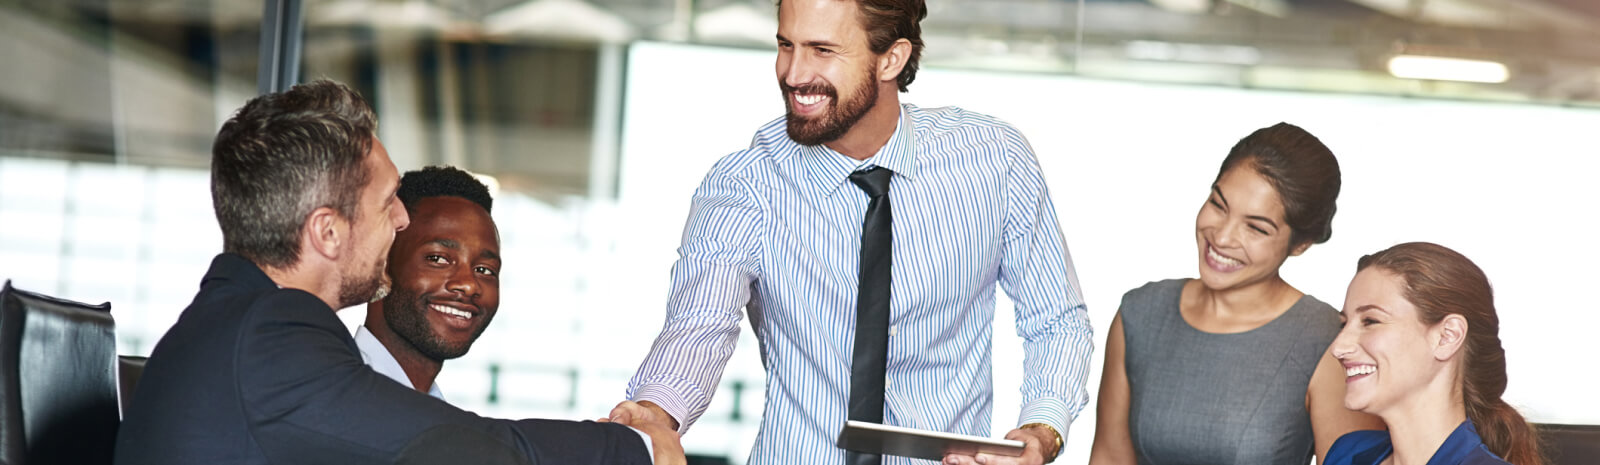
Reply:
x=1184 y=6
x=1194 y=53
x=1447 y=69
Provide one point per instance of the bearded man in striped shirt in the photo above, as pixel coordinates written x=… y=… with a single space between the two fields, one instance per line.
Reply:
x=866 y=240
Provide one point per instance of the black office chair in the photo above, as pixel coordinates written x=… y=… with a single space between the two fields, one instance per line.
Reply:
x=1570 y=444
x=129 y=369
x=58 y=380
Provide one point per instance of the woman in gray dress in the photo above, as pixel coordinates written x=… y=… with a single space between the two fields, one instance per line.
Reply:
x=1230 y=368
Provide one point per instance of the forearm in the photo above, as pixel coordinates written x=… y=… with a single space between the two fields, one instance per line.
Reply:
x=686 y=362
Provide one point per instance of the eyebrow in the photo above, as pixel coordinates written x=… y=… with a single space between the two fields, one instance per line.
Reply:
x=1224 y=198
x=1344 y=316
x=1218 y=191
x=456 y=245
x=810 y=43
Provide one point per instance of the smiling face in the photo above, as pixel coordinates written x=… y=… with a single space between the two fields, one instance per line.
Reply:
x=1240 y=231
x=823 y=54
x=1387 y=352
x=446 y=271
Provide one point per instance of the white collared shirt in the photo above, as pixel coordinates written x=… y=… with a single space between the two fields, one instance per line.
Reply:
x=375 y=355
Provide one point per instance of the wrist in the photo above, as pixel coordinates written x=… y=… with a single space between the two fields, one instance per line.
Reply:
x=667 y=418
x=1049 y=439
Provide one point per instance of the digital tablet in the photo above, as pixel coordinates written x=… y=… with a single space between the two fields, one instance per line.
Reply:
x=873 y=438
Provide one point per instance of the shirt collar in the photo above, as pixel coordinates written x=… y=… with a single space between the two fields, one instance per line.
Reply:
x=378 y=357
x=1455 y=449
x=829 y=169
x=1461 y=442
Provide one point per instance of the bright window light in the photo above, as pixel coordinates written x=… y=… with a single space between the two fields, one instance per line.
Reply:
x=1447 y=69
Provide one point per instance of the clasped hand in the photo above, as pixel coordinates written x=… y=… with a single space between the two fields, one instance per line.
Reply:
x=652 y=420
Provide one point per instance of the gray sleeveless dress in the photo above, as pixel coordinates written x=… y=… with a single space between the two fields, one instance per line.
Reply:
x=1205 y=398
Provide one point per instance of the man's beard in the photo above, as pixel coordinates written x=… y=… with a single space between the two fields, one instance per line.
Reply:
x=838 y=118
x=405 y=311
x=360 y=288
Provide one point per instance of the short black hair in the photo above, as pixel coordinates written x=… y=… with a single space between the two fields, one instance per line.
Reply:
x=283 y=155
x=443 y=181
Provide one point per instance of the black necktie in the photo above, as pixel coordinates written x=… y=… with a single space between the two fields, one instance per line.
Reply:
x=872 y=306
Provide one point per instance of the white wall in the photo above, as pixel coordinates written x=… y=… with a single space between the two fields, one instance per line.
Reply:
x=1510 y=186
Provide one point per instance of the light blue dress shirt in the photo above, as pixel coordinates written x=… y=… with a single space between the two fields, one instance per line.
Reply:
x=775 y=230
x=375 y=355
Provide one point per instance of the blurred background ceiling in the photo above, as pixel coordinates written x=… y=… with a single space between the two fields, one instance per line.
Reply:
x=1550 y=48
x=529 y=89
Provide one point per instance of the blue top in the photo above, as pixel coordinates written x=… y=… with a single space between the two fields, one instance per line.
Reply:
x=774 y=232
x=1463 y=447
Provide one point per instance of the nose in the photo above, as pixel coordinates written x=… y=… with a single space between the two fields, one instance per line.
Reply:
x=401 y=217
x=1343 y=345
x=1228 y=235
x=794 y=69
x=463 y=281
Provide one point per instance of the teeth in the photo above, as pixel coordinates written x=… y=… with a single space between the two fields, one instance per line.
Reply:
x=450 y=311
x=808 y=99
x=1211 y=252
x=1359 y=370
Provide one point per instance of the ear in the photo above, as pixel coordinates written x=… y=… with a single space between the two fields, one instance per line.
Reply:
x=1449 y=335
x=1299 y=249
x=894 y=60
x=324 y=233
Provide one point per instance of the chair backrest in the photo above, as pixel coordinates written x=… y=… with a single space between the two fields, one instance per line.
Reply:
x=58 y=380
x=129 y=369
x=1570 y=444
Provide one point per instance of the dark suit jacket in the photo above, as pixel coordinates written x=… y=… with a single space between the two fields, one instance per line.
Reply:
x=254 y=374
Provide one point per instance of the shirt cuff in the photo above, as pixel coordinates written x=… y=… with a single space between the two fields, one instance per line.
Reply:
x=1050 y=411
x=668 y=400
x=649 y=445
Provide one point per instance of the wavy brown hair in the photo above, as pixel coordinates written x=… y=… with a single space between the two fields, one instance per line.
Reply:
x=1442 y=282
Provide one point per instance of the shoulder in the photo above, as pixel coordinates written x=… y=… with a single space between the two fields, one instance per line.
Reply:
x=1318 y=315
x=1345 y=449
x=1146 y=303
x=1481 y=456
x=269 y=312
x=1154 y=293
x=955 y=124
x=769 y=145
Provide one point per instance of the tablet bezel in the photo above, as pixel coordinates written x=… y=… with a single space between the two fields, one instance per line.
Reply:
x=874 y=438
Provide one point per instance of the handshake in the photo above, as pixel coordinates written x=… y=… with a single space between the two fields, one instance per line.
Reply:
x=652 y=420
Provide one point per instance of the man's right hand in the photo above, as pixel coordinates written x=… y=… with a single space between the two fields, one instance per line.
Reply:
x=651 y=419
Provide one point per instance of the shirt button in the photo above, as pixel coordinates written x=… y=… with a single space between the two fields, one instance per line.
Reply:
x=891 y=331
x=887 y=382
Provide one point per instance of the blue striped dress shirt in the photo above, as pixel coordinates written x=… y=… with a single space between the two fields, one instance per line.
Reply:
x=776 y=229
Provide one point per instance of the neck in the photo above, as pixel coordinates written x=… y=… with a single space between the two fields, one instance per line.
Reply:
x=1258 y=299
x=419 y=368
x=1424 y=419
x=864 y=139
x=317 y=280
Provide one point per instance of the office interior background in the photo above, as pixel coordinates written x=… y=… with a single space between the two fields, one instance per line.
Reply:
x=595 y=120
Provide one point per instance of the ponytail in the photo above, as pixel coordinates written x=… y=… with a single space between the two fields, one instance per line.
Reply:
x=1442 y=282
x=1506 y=433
